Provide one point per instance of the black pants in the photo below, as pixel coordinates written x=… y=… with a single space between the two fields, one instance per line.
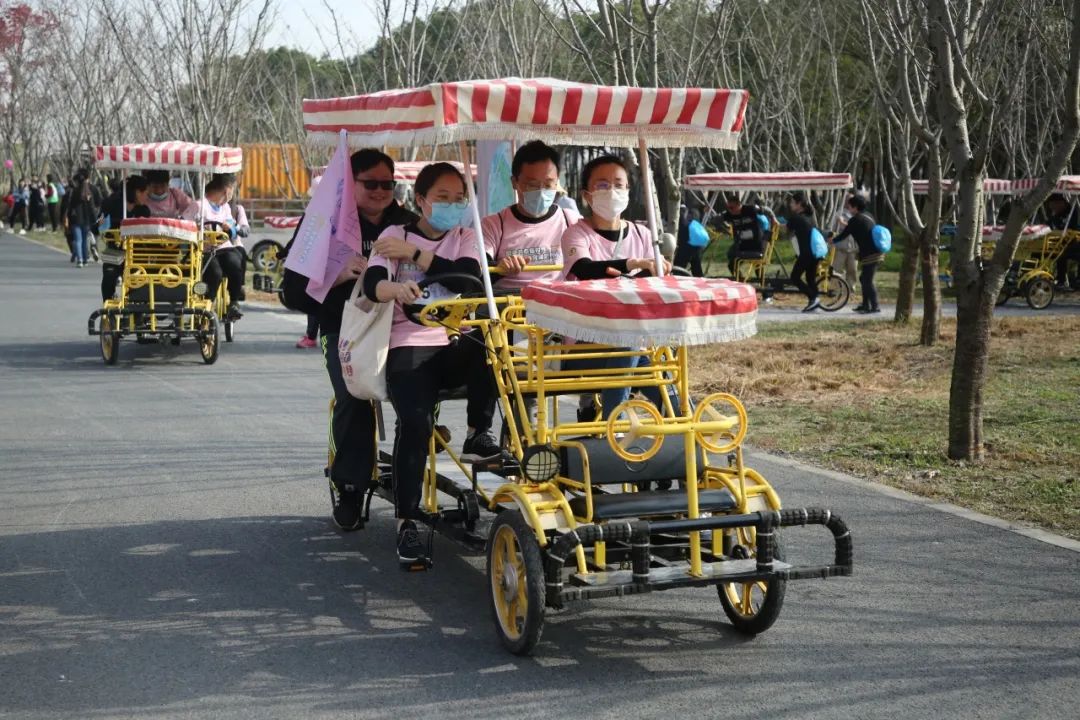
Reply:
x=688 y=257
x=352 y=428
x=230 y=263
x=1072 y=253
x=54 y=215
x=805 y=265
x=415 y=376
x=869 y=290
x=109 y=275
x=312 y=326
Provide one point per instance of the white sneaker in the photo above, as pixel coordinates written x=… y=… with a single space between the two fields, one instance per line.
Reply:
x=812 y=306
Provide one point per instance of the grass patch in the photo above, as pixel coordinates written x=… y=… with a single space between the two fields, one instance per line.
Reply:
x=865 y=398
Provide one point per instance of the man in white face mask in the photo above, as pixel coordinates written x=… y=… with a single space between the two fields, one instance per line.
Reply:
x=528 y=232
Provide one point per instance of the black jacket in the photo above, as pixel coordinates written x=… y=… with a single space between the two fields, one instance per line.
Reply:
x=861 y=228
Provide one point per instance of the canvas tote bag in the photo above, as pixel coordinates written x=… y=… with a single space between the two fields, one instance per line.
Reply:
x=364 y=344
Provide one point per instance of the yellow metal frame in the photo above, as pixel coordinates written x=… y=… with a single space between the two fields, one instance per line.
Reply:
x=533 y=366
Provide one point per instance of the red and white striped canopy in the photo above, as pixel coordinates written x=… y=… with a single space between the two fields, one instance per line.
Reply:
x=173 y=155
x=991 y=186
x=405 y=171
x=1067 y=184
x=555 y=111
x=764 y=182
x=281 y=222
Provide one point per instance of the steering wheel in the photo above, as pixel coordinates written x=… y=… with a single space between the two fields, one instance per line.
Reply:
x=429 y=295
x=681 y=271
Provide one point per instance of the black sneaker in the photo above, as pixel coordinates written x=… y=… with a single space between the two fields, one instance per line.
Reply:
x=587 y=414
x=871 y=311
x=233 y=313
x=481 y=446
x=410 y=551
x=860 y=309
x=347 y=507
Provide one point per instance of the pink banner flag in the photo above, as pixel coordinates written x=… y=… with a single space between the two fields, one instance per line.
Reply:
x=329 y=234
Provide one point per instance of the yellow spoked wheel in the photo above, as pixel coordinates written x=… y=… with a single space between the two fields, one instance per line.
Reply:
x=516 y=575
x=728 y=418
x=628 y=430
x=208 y=340
x=110 y=341
x=754 y=606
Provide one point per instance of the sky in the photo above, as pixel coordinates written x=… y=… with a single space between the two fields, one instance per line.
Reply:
x=299 y=25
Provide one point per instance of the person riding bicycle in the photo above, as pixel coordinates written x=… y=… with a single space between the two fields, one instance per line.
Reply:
x=603 y=245
x=164 y=201
x=748 y=237
x=1063 y=216
x=422 y=360
x=228 y=258
x=801 y=223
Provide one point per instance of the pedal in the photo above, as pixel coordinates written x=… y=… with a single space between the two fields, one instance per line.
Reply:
x=418 y=565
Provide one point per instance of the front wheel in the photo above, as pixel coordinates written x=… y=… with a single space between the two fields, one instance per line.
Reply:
x=515 y=569
x=229 y=331
x=751 y=607
x=833 y=292
x=1039 y=293
x=110 y=341
x=208 y=340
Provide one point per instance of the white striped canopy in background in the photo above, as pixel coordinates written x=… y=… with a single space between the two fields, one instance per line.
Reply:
x=173 y=155
x=765 y=182
x=554 y=111
x=1067 y=184
x=991 y=186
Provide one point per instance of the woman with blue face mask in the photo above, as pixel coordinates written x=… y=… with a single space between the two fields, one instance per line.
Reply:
x=422 y=361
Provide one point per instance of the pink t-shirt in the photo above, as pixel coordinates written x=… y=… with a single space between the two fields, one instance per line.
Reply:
x=174 y=204
x=455 y=244
x=581 y=242
x=507 y=235
x=220 y=214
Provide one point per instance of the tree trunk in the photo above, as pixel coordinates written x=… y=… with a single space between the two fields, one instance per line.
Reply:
x=974 y=314
x=931 y=319
x=909 y=264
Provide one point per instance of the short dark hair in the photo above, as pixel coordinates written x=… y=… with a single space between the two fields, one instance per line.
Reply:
x=220 y=181
x=534 y=152
x=364 y=160
x=154 y=177
x=134 y=184
x=49 y=177
x=858 y=202
x=430 y=174
x=600 y=161
x=732 y=199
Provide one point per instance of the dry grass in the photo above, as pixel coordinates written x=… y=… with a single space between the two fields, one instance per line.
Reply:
x=865 y=398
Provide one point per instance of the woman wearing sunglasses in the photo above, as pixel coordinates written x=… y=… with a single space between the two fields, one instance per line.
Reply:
x=422 y=361
x=352 y=424
x=603 y=245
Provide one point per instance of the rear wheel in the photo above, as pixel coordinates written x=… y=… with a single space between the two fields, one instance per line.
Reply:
x=515 y=569
x=751 y=607
x=833 y=292
x=208 y=340
x=264 y=256
x=110 y=341
x=229 y=325
x=1039 y=293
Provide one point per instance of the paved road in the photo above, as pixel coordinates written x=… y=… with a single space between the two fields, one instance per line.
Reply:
x=165 y=553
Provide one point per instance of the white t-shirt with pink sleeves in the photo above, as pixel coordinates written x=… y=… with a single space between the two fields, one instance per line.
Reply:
x=508 y=234
x=210 y=213
x=582 y=242
x=454 y=245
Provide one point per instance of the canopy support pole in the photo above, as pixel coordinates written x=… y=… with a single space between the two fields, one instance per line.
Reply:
x=650 y=205
x=123 y=197
x=481 y=249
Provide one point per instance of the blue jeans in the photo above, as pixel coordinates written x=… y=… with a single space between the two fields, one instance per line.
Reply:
x=613 y=397
x=80 y=242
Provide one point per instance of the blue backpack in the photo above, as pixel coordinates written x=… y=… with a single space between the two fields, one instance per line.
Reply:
x=818 y=246
x=882 y=238
x=763 y=221
x=699 y=236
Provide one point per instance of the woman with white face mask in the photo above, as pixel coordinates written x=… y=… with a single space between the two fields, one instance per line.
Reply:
x=603 y=245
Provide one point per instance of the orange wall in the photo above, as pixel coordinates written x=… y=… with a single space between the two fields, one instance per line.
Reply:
x=273 y=171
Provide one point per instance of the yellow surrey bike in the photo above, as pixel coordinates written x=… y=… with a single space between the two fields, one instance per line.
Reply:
x=833 y=290
x=160 y=297
x=576 y=510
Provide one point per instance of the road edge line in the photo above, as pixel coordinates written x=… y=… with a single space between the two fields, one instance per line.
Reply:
x=29 y=239
x=1044 y=536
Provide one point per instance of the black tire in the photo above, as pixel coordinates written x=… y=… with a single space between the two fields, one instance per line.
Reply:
x=835 y=295
x=511 y=533
x=229 y=330
x=267 y=264
x=208 y=342
x=110 y=341
x=753 y=618
x=1039 y=293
